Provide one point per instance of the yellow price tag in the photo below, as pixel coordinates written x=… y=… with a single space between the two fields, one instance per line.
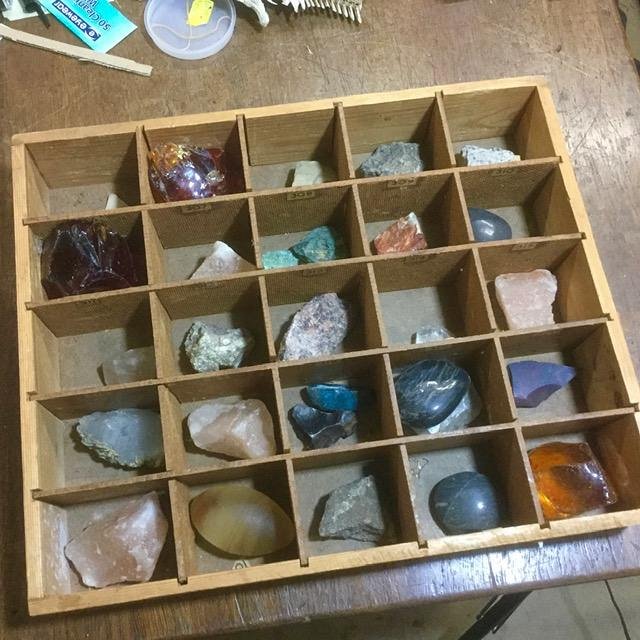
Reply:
x=200 y=12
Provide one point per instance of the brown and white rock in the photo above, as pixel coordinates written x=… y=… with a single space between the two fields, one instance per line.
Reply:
x=241 y=429
x=121 y=545
x=403 y=235
x=317 y=329
x=526 y=299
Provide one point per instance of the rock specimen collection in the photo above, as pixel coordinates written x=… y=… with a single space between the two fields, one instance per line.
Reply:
x=403 y=235
x=569 y=479
x=471 y=154
x=241 y=521
x=321 y=429
x=279 y=259
x=354 y=511
x=526 y=299
x=187 y=172
x=430 y=334
x=241 y=429
x=317 y=329
x=129 y=438
x=131 y=365
x=309 y=172
x=428 y=391
x=533 y=382
x=120 y=546
x=320 y=245
x=465 y=502
x=488 y=226
x=222 y=261
x=85 y=257
x=210 y=348
x=393 y=158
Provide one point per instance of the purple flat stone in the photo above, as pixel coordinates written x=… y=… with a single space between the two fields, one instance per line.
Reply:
x=533 y=382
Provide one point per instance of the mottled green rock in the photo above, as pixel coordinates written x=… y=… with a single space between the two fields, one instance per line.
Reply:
x=320 y=245
x=279 y=259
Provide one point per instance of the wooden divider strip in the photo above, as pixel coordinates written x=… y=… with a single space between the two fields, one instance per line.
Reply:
x=283 y=418
x=183 y=534
x=255 y=233
x=172 y=436
x=244 y=151
x=341 y=145
x=303 y=553
x=406 y=511
x=358 y=229
x=533 y=492
x=161 y=324
x=154 y=251
x=395 y=412
x=444 y=155
x=142 y=149
x=486 y=298
x=266 y=316
x=465 y=209
x=499 y=373
x=374 y=323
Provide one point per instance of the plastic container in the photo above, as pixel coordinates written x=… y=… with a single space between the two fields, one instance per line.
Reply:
x=166 y=24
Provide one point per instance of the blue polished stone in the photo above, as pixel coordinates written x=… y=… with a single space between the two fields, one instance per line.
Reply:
x=488 y=226
x=428 y=391
x=337 y=397
x=279 y=259
x=320 y=245
x=321 y=429
x=465 y=502
x=533 y=382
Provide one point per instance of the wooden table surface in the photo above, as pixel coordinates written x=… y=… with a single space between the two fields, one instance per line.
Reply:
x=577 y=44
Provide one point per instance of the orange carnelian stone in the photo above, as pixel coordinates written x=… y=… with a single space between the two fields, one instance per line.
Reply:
x=569 y=479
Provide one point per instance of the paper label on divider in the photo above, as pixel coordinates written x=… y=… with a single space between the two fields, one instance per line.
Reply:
x=96 y=22
x=200 y=12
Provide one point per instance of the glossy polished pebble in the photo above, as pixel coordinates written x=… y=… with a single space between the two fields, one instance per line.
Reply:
x=533 y=382
x=428 y=391
x=321 y=429
x=337 y=397
x=465 y=502
x=468 y=409
x=488 y=226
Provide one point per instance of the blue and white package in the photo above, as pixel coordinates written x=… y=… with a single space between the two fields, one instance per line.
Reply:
x=96 y=22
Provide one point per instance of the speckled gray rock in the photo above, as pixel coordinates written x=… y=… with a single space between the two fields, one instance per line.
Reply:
x=354 y=511
x=210 y=348
x=317 y=329
x=471 y=154
x=462 y=416
x=129 y=438
x=393 y=158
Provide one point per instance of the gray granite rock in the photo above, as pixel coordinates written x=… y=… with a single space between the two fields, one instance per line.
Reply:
x=393 y=158
x=354 y=511
x=129 y=438
x=471 y=155
x=210 y=348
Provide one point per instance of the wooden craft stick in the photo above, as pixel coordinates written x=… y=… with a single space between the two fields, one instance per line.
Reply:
x=104 y=59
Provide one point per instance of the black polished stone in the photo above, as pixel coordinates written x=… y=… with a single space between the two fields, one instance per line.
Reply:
x=488 y=226
x=321 y=429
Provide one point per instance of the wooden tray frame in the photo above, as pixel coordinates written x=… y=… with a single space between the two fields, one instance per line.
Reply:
x=62 y=174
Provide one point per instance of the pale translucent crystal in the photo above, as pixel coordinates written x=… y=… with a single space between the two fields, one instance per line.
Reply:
x=526 y=299
x=114 y=201
x=312 y=172
x=430 y=333
x=130 y=366
x=121 y=545
x=240 y=429
x=222 y=260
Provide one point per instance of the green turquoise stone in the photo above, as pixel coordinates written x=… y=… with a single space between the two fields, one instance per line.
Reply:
x=320 y=245
x=279 y=259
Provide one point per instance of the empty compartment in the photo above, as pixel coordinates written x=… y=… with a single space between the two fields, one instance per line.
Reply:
x=510 y=118
x=221 y=134
x=576 y=298
x=199 y=555
x=72 y=338
x=226 y=304
x=367 y=374
x=598 y=384
x=277 y=143
x=65 y=521
x=63 y=460
x=496 y=455
x=482 y=360
x=181 y=238
x=128 y=225
x=438 y=290
x=532 y=199
x=434 y=199
x=387 y=505
x=179 y=399
x=284 y=220
x=287 y=293
x=416 y=120
x=78 y=174
x=615 y=443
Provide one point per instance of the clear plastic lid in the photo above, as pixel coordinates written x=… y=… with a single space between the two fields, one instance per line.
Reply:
x=166 y=24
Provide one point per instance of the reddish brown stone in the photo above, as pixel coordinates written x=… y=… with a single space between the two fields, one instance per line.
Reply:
x=403 y=235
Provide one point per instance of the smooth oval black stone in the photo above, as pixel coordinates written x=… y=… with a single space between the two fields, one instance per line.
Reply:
x=488 y=226
x=465 y=502
x=428 y=391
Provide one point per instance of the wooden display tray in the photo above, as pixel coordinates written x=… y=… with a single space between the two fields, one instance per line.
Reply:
x=66 y=174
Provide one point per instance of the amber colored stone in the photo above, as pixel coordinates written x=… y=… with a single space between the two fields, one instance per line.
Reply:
x=186 y=172
x=569 y=479
x=84 y=257
x=403 y=235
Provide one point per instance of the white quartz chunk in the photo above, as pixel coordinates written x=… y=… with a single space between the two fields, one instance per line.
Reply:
x=222 y=260
x=130 y=366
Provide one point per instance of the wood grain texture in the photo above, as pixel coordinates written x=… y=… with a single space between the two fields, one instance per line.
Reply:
x=577 y=45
